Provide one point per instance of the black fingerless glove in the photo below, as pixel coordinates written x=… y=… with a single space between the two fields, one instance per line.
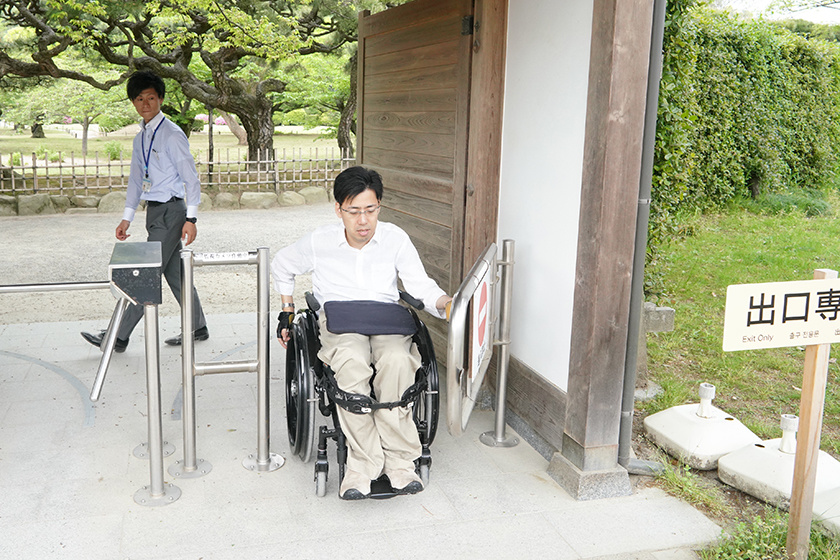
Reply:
x=284 y=320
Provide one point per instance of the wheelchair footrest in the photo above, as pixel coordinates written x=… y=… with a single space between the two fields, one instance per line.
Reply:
x=381 y=489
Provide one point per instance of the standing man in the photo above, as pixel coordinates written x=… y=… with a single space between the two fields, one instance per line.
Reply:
x=163 y=174
x=358 y=261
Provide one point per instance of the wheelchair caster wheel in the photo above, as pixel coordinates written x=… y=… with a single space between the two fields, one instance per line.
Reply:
x=321 y=484
x=424 y=475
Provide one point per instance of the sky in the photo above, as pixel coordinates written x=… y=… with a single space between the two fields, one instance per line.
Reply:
x=818 y=15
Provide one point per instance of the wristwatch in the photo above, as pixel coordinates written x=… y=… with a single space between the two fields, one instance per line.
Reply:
x=192 y=220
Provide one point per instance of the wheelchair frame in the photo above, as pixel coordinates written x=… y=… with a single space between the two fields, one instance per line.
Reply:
x=306 y=393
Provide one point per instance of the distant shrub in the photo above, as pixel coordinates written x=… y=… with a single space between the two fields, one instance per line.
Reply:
x=16 y=159
x=113 y=150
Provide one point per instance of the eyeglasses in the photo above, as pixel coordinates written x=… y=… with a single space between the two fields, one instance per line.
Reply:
x=356 y=212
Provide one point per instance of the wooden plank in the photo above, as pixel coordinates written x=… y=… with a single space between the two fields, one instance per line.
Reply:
x=811 y=407
x=427 y=56
x=408 y=121
x=485 y=142
x=422 y=208
x=539 y=403
x=433 y=166
x=424 y=100
x=442 y=145
x=412 y=13
x=436 y=77
x=427 y=233
x=439 y=30
x=426 y=187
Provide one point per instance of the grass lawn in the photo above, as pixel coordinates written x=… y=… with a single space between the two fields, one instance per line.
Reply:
x=59 y=140
x=740 y=246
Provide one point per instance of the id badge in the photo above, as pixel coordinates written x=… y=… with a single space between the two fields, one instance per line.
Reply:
x=147 y=185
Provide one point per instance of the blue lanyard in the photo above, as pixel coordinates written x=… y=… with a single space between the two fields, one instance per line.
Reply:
x=147 y=155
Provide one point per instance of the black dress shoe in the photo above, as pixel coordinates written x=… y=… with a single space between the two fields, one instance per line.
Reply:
x=198 y=334
x=96 y=339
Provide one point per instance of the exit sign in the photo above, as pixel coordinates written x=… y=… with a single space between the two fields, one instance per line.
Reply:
x=778 y=314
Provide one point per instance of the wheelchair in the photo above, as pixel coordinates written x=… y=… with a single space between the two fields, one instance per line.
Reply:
x=311 y=387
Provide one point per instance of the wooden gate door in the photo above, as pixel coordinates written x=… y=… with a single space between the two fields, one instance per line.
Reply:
x=413 y=118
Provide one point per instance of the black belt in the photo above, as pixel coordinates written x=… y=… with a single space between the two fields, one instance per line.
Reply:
x=156 y=203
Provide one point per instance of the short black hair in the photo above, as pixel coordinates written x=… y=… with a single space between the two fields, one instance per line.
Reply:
x=142 y=80
x=353 y=181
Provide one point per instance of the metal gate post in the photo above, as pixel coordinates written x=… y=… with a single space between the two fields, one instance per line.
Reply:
x=497 y=438
x=190 y=467
x=265 y=460
x=157 y=493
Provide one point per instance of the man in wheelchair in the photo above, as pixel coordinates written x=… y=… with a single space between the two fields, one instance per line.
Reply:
x=355 y=266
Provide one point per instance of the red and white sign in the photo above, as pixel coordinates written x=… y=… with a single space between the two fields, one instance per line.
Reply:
x=481 y=327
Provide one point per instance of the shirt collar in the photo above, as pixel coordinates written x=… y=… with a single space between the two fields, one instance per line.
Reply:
x=342 y=238
x=152 y=124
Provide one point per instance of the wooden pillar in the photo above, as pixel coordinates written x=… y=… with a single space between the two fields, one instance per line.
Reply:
x=587 y=463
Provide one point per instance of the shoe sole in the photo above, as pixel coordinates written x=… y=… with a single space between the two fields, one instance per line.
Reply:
x=410 y=488
x=353 y=494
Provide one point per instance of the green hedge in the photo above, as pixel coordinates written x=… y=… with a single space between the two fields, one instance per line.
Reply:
x=746 y=109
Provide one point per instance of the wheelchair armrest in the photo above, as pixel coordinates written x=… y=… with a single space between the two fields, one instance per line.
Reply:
x=412 y=301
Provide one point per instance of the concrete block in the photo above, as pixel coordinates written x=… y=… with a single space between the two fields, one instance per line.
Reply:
x=589 y=485
x=658 y=319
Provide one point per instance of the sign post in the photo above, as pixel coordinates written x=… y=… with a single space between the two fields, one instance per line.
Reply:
x=792 y=314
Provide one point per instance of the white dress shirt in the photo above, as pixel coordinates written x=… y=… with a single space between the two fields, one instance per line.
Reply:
x=171 y=167
x=340 y=272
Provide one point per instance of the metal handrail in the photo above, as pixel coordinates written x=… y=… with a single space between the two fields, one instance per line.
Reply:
x=460 y=398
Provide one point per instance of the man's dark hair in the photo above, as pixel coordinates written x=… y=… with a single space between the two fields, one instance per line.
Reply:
x=353 y=181
x=143 y=80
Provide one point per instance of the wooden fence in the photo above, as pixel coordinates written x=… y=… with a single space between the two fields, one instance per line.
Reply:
x=231 y=171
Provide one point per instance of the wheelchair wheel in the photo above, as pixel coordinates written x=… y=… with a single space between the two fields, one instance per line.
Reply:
x=427 y=408
x=300 y=392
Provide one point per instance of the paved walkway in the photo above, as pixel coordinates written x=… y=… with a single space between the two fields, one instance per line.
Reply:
x=68 y=474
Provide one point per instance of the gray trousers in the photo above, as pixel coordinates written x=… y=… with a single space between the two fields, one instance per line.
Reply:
x=164 y=223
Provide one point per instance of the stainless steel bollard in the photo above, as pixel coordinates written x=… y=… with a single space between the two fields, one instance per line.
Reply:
x=191 y=466
x=157 y=493
x=498 y=438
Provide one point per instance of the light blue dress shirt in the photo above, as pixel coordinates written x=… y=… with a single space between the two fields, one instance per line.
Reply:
x=171 y=167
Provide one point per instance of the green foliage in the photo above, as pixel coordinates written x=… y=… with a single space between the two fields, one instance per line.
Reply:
x=113 y=150
x=763 y=538
x=810 y=203
x=680 y=481
x=747 y=109
x=15 y=159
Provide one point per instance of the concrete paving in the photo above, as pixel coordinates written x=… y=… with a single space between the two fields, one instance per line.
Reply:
x=68 y=474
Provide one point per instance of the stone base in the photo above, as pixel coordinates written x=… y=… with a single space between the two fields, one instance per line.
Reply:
x=589 y=485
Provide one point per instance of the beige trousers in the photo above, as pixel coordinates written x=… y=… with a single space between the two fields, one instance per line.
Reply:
x=384 y=438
